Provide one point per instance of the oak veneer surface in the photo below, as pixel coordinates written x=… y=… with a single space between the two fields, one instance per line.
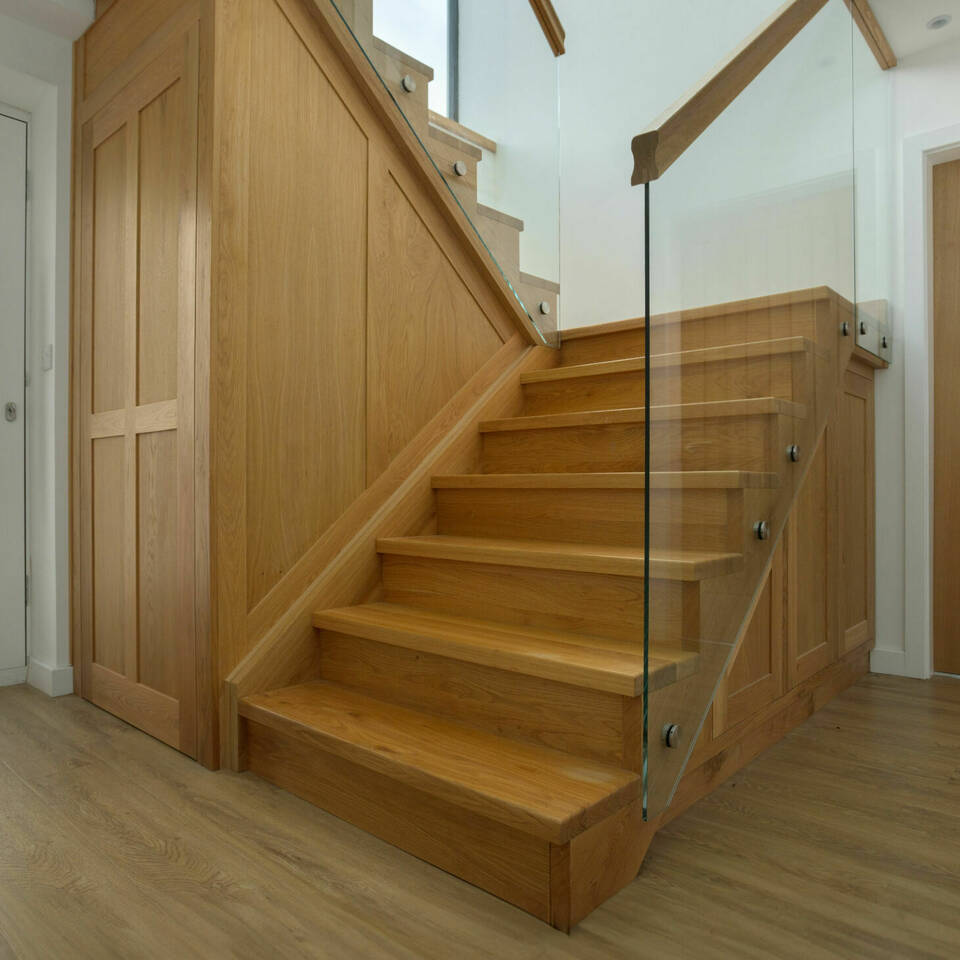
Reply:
x=126 y=848
x=542 y=792
x=593 y=662
x=946 y=421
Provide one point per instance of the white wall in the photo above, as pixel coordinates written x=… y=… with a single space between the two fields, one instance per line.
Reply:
x=508 y=92
x=36 y=77
x=925 y=115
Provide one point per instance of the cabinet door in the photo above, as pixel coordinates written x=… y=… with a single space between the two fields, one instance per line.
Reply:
x=855 y=474
x=755 y=678
x=811 y=573
x=136 y=322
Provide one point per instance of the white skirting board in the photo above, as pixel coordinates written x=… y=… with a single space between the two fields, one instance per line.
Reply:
x=11 y=675
x=889 y=661
x=53 y=681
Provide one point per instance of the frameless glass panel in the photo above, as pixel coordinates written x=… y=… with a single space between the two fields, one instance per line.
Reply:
x=476 y=82
x=871 y=135
x=751 y=267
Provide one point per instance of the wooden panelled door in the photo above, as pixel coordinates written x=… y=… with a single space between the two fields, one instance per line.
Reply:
x=946 y=416
x=136 y=398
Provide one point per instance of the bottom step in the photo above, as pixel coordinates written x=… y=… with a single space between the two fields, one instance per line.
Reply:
x=539 y=828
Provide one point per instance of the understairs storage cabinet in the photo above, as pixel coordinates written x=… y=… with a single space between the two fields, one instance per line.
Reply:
x=817 y=604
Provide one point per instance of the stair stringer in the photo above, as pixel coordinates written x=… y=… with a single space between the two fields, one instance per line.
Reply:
x=727 y=604
x=400 y=502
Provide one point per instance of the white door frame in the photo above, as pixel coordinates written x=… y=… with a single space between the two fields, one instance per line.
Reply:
x=920 y=154
x=18 y=674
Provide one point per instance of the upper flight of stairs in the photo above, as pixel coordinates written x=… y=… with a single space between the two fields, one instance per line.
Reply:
x=454 y=147
x=485 y=711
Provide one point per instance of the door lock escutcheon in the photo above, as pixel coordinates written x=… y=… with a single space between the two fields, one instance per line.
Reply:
x=10 y=411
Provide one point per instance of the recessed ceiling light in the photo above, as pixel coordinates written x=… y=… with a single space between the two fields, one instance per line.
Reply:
x=938 y=23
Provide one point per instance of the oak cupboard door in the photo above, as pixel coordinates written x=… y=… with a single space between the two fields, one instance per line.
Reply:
x=755 y=677
x=811 y=571
x=136 y=408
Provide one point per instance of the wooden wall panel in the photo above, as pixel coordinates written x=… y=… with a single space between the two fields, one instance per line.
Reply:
x=109 y=310
x=307 y=257
x=756 y=676
x=426 y=335
x=116 y=36
x=109 y=536
x=161 y=125
x=334 y=279
x=157 y=561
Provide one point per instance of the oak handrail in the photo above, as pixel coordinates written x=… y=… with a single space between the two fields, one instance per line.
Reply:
x=864 y=18
x=665 y=140
x=550 y=24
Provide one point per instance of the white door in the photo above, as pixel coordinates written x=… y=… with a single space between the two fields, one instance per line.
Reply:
x=13 y=242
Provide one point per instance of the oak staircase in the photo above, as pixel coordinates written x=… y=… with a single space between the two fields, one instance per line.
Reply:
x=485 y=710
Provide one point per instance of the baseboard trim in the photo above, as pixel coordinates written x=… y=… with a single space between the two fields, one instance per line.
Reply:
x=889 y=661
x=53 y=681
x=10 y=676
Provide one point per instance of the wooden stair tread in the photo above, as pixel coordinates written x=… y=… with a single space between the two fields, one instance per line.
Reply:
x=733 y=351
x=673 y=411
x=460 y=131
x=659 y=479
x=706 y=313
x=597 y=663
x=543 y=792
x=579 y=557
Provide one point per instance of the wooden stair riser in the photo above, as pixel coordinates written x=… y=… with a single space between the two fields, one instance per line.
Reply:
x=445 y=156
x=708 y=519
x=584 y=603
x=392 y=70
x=807 y=319
x=503 y=240
x=587 y=723
x=750 y=442
x=501 y=859
x=780 y=375
x=557 y=883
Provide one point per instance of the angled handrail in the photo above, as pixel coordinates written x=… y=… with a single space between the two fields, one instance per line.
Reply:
x=550 y=24
x=665 y=140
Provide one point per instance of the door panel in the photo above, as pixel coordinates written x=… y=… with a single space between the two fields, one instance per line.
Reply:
x=811 y=621
x=946 y=416
x=756 y=676
x=137 y=327
x=13 y=623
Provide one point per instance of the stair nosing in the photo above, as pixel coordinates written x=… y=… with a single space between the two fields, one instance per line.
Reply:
x=438 y=635
x=808 y=295
x=752 y=406
x=627 y=480
x=262 y=708
x=734 y=351
x=689 y=565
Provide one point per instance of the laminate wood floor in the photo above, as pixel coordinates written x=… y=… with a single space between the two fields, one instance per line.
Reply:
x=842 y=841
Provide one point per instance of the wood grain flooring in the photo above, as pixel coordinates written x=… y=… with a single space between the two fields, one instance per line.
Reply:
x=842 y=841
